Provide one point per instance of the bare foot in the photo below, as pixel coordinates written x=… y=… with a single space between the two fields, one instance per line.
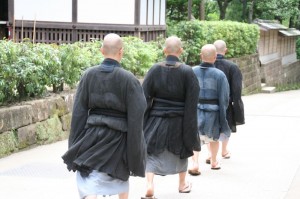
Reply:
x=150 y=190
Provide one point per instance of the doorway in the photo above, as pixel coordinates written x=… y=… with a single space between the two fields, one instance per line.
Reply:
x=3 y=19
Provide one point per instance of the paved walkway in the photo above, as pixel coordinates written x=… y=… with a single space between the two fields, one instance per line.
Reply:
x=265 y=162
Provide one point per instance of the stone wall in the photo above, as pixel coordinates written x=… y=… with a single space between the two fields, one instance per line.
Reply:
x=291 y=73
x=273 y=73
x=250 y=68
x=48 y=120
x=35 y=122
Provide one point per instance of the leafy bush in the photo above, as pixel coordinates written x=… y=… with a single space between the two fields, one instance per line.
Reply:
x=75 y=58
x=8 y=56
x=241 y=38
x=26 y=69
x=138 y=55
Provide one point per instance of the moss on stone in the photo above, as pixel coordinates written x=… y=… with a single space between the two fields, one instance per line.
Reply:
x=8 y=143
x=49 y=131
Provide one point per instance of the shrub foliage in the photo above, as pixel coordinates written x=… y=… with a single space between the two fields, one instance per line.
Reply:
x=241 y=38
x=27 y=70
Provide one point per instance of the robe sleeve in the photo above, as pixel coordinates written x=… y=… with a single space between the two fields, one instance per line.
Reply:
x=136 y=146
x=80 y=112
x=190 y=130
x=223 y=96
x=236 y=93
x=147 y=83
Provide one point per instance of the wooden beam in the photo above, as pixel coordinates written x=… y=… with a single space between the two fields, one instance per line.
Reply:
x=137 y=12
x=74 y=11
x=11 y=12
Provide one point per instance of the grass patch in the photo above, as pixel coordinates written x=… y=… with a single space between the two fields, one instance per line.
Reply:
x=288 y=87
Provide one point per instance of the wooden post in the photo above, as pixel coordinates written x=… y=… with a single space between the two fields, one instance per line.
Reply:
x=22 y=31
x=14 y=29
x=33 y=35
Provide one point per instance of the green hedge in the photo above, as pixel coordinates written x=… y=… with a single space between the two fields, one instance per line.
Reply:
x=27 y=70
x=241 y=38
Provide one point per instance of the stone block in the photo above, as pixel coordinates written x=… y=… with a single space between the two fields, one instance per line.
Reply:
x=26 y=136
x=57 y=106
x=15 y=117
x=40 y=110
x=49 y=131
x=66 y=122
x=69 y=100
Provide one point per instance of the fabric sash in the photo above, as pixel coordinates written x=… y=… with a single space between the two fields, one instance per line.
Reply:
x=107 y=112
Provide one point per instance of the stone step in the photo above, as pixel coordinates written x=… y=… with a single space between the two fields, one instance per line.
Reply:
x=268 y=89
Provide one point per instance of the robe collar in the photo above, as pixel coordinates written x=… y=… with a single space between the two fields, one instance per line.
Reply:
x=171 y=59
x=219 y=56
x=108 y=65
x=207 y=65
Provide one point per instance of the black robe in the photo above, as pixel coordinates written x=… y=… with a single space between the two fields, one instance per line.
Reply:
x=235 y=111
x=107 y=121
x=172 y=94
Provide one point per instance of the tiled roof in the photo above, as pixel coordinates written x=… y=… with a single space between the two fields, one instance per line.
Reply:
x=290 y=32
x=269 y=24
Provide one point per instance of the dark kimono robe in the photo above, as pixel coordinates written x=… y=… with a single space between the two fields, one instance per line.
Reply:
x=235 y=111
x=107 y=122
x=171 y=90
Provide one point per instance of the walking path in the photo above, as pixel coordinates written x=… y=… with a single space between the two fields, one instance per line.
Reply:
x=265 y=162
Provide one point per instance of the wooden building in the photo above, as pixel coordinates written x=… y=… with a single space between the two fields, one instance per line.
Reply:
x=277 y=53
x=68 y=21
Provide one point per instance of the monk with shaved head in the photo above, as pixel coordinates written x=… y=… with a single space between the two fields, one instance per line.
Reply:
x=112 y=47
x=106 y=142
x=235 y=110
x=171 y=90
x=212 y=104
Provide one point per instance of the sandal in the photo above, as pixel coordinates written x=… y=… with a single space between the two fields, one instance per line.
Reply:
x=186 y=189
x=227 y=155
x=194 y=172
x=217 y=166
x=207 y=161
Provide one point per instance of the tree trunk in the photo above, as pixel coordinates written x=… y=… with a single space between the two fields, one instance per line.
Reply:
x=189 y=9
x=223 y=4
x=250 y=16
x=244 y=9
x=202 y=10
x=292 y=22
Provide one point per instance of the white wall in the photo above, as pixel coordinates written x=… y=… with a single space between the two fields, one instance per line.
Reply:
x=163 y=12
x=106 y=11
x=143 y=12
x=159 y=10
x=150 y=12
x=43 y=10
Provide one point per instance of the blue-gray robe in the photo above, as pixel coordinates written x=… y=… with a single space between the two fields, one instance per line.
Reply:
x=214 y=98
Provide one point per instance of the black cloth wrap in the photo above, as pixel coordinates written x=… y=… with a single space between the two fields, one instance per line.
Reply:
x=107 y=112
x=209 y=101
x=167 y=108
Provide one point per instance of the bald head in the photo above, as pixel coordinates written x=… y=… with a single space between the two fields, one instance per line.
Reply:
x=112 y=45
x=220 y=46
x=208 y=53
x=173 y=46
